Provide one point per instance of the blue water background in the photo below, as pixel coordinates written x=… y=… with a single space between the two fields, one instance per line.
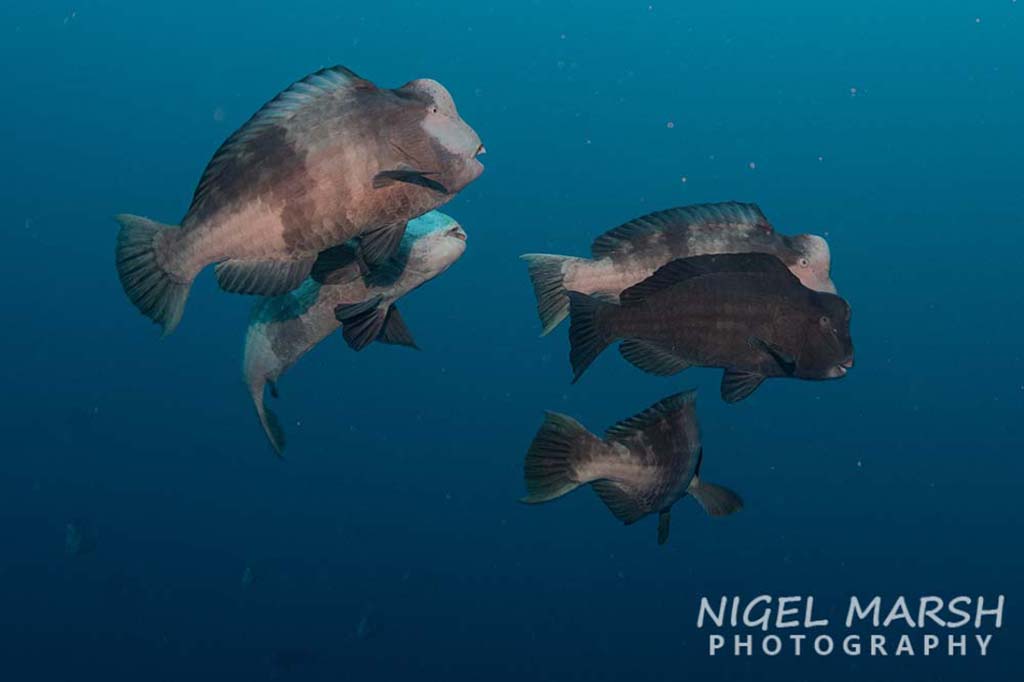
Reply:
x=389 y=544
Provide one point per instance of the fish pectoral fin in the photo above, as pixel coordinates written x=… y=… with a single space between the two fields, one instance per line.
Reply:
x=786 y=361
x=395 y=332
x=338 y=264
x=664 y=519
x=651 y=357
x=738 y=384
x=620 y=501
x=262 y=277
x=380 y=244
x=715 y=499
x=273 y=388
x=361 y=323
x=408 y=175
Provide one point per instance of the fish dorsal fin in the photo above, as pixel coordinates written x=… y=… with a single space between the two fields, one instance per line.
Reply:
x=654 y=416
x=633 y=236
x=651 y=357
x=620 y=501
x=683 y=269
x=248 y=140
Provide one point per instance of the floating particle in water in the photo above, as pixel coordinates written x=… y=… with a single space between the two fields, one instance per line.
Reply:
x=860 y=464
x=853 y=92
x=683 y=180
x=218 y=114
x=752 y=165
x=977 y=20
x=561 y=37
x=247 y=577
x=670 y=125
x=821 y=158
x=79 y=537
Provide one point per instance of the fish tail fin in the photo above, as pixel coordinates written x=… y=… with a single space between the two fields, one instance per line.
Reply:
x=560 y=445
x=587 y=337
x=268 y=420
x=548 y=278
x=715 y=499
x=158 y=293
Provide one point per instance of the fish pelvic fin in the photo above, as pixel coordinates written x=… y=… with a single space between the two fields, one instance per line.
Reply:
x=548 y=278
x=158 y=293
x=715 y=499
x=550 y=469
x=587 y=337
x=664 y=521
x=268 y=420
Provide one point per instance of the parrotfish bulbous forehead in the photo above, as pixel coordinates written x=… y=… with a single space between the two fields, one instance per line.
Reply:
x=815 y=267
x=434 y=221
x=434 y=92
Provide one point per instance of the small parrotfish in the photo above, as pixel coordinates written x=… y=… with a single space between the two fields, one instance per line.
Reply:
x=643 y=465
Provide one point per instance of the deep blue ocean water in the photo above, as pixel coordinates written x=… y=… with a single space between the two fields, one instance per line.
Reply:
x=389 y=544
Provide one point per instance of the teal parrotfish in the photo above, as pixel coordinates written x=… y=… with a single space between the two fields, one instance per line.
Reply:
x=344 y=293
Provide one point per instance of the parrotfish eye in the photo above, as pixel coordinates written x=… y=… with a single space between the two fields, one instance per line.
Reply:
x=825 y=322
x=433 y=109
x=803 y=262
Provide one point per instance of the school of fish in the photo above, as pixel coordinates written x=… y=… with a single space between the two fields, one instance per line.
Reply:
x=323 y=205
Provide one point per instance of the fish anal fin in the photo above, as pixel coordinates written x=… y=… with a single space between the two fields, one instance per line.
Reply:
x=651 y=357
x=262 y=278
x=395 y=331
x=619 y=500
x=739 y=384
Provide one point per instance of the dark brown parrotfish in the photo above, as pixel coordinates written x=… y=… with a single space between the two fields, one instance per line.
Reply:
x=746 y=313
x=643 y=465
x=331 y=158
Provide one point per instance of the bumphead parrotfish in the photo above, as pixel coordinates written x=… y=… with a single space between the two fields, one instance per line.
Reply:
x=331 y=158
x=632 y=252
x=746 y=313
x=284 y=328
x=644 y=464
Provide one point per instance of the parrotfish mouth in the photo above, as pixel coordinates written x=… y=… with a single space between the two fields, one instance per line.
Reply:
x=480 y=151
x=841 y=369
x=457 y=232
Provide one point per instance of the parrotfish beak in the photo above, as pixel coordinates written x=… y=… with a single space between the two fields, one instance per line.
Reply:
x=457 y=232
